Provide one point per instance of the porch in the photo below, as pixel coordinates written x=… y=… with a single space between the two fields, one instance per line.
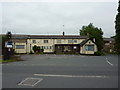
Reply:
x=67 y=49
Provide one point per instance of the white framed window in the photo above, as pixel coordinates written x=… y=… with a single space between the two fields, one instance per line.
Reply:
x=45 y=41
x=75 y=41
x=50 y=47
x=45 y=47
x=58 y=41
x=70 y=41
x=20 y=46
x=34 y=41
x=89 y=47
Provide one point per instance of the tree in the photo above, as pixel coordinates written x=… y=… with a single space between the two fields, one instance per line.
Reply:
x=35 y=48
x=117 y=27
x=93 y=32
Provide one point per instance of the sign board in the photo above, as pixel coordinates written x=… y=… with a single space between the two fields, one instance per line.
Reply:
x=9 y=44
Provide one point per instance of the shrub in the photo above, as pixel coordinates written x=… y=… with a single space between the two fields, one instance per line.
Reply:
x=99 y=53
x=35 y=48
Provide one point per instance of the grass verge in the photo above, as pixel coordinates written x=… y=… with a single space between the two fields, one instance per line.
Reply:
x=6 y=61
x=12 y=59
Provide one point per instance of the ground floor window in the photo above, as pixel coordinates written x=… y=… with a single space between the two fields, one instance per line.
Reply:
x=89 y=47
x=47 y=47
x=20 y=46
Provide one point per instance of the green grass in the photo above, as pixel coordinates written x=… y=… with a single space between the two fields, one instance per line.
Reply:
x=6 y=61
x=12 y=59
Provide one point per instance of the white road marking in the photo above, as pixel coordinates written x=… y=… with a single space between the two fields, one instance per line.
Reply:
x=73 y=76
x=109 y=63
x=39 y=80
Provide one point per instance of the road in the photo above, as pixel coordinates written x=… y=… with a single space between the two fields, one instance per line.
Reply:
x=62 y=71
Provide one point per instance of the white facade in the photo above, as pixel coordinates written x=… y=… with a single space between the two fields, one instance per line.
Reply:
x=83 y=49
x=48 y=44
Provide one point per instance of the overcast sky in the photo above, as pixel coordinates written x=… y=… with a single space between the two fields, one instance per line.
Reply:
x=49 y=17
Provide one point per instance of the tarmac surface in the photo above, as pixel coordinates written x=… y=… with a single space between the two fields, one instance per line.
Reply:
x=61 y=71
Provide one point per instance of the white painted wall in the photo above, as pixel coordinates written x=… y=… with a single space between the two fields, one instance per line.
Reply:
x=52 y=42
x=20 y=50
x=84 y=51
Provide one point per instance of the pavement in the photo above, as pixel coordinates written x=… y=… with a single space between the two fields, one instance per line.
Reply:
x=61 y=71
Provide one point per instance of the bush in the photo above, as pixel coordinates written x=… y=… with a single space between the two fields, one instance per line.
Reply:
x=37 y=49
x=99 y=53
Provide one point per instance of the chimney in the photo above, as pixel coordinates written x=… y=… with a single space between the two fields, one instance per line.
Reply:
x=63 y=33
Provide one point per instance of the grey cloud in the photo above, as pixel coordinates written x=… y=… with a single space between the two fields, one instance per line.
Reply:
x=44 y=18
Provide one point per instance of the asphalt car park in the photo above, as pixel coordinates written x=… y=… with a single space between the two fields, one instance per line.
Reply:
x=61 y=71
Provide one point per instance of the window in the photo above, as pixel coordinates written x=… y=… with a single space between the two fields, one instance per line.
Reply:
x=50 y=47
x=70 y=41
x=45 y=47
x=45 y=41
x=58 y=41
x=20 y=46
x=89 y=47
x=34 y=41
x=75 y=41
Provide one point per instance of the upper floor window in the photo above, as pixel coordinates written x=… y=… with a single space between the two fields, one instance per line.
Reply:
x=45 y=41
x=70 y=41
x=34 y=41
x=58 y=41
x=75 y=41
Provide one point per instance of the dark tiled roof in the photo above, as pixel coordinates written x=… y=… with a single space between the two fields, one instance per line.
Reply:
x=19 y=36
x=108 y=39
x=57 y=37
x=84 y=41
x=48 y=37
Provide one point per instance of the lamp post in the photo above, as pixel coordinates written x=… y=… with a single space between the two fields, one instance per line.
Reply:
x=8 y=49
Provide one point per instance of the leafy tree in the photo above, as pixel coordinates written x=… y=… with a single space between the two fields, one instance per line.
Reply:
x=93 y=32
x=35 y=48
x=117 y=27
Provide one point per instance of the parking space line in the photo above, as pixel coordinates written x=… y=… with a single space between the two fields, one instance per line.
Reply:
x=72 y=76
x=29 y=83
x=109 y=63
